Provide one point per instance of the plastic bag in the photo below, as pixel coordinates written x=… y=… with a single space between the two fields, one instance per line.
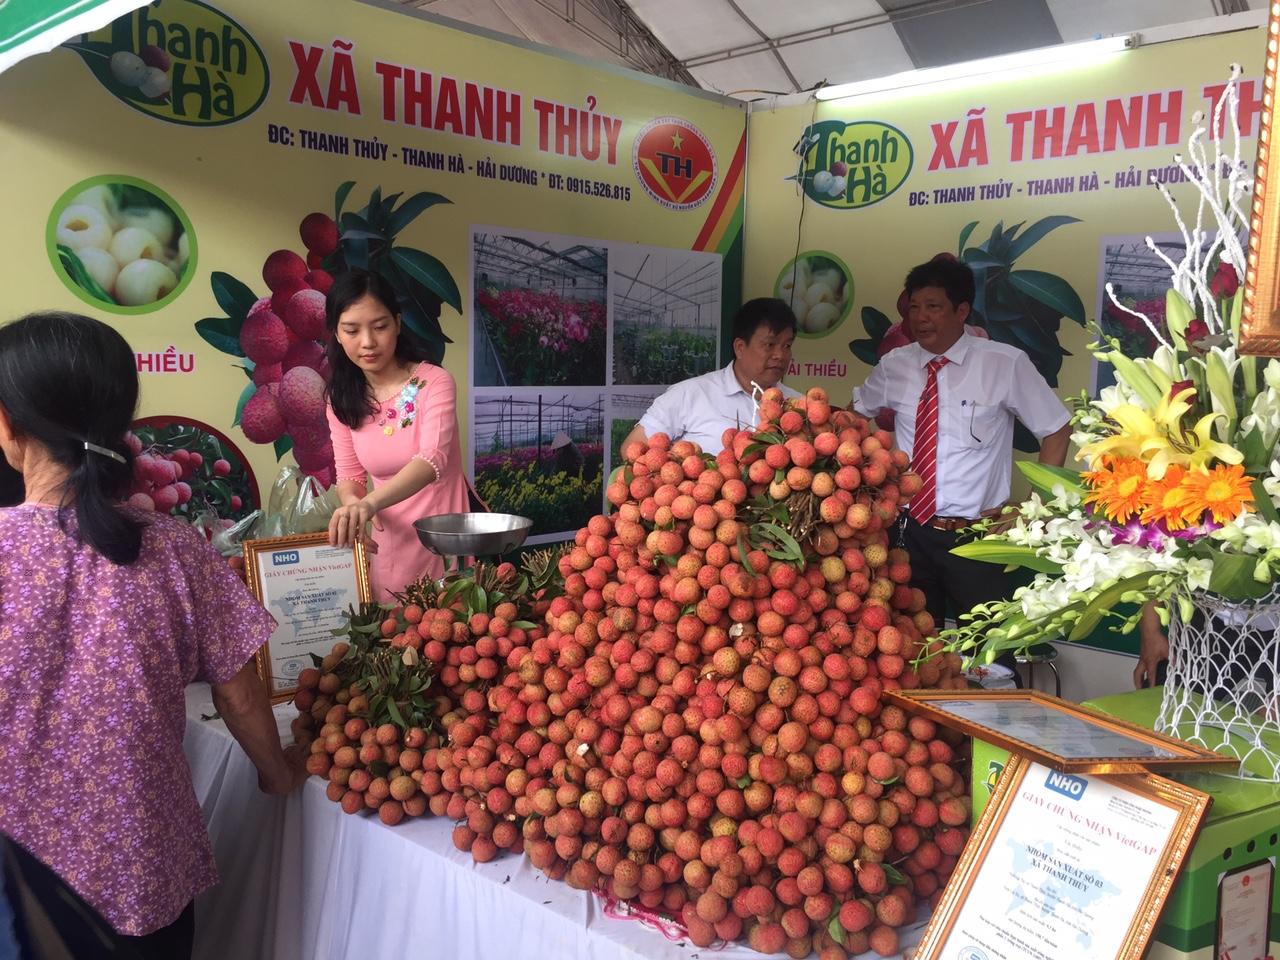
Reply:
x=229 y=541
x=297 y=504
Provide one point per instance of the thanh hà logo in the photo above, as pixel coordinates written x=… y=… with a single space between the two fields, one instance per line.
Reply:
x=850 y=165
x=994 y=769
x=674 y=163
x=178 y=60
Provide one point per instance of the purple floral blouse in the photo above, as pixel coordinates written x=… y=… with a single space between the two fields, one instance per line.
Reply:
x=93 y=661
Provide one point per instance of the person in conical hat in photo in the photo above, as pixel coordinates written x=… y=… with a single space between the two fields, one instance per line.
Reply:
x=567 y=457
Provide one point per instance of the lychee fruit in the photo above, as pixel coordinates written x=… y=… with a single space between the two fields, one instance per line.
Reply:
x=282 y=269
x=304 y=353
x=304 y=314
x=302 y=395
x=166 y=498
x=319 y=234
x=884 y=940
x=319 y=279
x=855 y=915
x=265 y=373
x=263 y=337
x=262 y=420
x=313 y=458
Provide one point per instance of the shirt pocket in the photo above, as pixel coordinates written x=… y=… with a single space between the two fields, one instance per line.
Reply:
x=975 y=425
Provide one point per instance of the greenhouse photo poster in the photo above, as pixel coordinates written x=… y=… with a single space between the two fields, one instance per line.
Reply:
x=1135 y=266
x=572 y=339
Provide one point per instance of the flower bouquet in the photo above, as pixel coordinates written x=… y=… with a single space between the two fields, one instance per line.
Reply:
x=1178 y=499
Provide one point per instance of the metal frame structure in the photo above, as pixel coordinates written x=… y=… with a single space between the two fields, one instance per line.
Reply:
x=613 y=25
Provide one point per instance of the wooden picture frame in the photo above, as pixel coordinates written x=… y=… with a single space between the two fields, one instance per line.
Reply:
x=1260 y=318
x=1043 y=727
x=1085 y=864
x=308 y=586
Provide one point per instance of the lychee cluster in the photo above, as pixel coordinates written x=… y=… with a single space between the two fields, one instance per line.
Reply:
x=135 y=255
x=147 y=71
x=284 y=335
x=161 y=478
x=696 y=724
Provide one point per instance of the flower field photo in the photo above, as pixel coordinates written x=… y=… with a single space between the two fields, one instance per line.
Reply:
x=540 y=311
x=541 y=457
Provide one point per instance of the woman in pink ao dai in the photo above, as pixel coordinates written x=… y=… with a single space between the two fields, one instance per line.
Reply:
x=392 y=418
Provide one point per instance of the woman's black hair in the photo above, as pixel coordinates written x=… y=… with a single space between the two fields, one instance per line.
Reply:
x=67 y=380
x=349 y=392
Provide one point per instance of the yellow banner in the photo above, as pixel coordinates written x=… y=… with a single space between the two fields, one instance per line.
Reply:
x=195 y=173
x=1044 y=183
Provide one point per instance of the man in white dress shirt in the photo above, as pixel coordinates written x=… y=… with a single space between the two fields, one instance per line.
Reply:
x=702 y=408
x=955 y=397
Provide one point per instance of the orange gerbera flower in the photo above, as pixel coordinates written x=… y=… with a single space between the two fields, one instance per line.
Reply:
x=1167 y=499
x=1223 y=491
x=1119 y=488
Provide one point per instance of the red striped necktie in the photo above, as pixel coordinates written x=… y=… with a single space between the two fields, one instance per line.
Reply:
x=924 y=457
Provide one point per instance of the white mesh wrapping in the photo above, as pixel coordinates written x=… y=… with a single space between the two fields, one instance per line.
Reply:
x=1221 y=691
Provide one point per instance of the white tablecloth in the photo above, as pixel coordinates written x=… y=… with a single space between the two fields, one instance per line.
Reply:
x=301 y=880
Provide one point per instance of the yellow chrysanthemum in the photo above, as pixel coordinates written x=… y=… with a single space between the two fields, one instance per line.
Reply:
x=1167 y=499
x=1159 y=439
x=1223 y=492
x=1119 y=489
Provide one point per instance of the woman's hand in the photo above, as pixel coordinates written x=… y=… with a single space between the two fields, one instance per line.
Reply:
x=348 y=523
x=1153 y=648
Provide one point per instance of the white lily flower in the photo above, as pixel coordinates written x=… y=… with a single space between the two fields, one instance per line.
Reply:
x=1167 y=361
x=1271 y=374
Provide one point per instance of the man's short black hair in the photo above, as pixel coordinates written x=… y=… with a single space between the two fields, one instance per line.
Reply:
x=762 y=312
x=951 y=276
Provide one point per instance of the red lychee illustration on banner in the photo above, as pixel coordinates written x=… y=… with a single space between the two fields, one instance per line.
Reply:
x=281 y=336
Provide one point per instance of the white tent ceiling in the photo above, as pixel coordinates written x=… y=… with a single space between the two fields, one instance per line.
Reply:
x=749 y=47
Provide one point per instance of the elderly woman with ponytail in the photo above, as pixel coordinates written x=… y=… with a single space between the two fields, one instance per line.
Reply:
x=106 y=614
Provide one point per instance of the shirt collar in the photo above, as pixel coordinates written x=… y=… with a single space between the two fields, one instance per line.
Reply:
x=730 y=383
x=959 y=350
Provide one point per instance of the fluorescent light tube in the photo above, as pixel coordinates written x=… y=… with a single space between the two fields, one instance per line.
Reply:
x=1022 y=60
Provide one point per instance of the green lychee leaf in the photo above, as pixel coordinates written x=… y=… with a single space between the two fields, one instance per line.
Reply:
x=835 y=931
x=411 y=209
x=864 y=350
x=249 y=390
x=340 y=197
x=893 y=874
x=221 y=333
x=876 y=323
x=232 y=295
x=283 y=446
x=419 y=321
x=429 y=272
x=80 y=275
x=743 y=782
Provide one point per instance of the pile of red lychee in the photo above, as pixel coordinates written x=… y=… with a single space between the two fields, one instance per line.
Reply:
x=696 y=724
x=284 y=334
